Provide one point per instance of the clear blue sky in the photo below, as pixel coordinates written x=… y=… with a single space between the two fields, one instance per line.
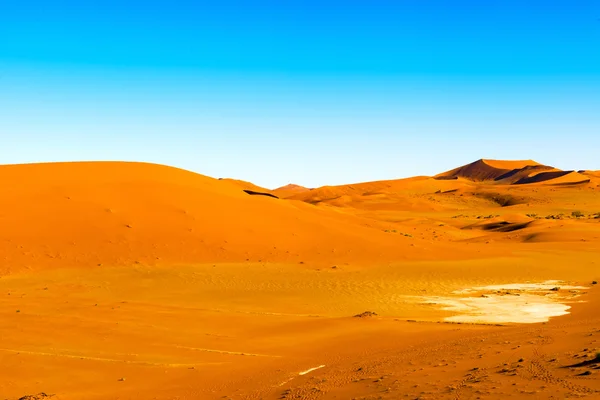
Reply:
x=313 y=92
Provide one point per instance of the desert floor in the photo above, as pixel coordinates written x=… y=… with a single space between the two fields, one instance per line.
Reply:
x=119 y=286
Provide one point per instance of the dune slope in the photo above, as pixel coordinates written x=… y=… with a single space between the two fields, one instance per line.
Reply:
x=86 y=214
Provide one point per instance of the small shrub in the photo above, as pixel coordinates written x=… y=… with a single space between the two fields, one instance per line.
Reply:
x=366 y=314
x=577 y=214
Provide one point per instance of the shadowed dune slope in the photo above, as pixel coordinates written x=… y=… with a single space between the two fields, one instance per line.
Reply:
x=85 y=214
x=555 y=178
x=517 y=175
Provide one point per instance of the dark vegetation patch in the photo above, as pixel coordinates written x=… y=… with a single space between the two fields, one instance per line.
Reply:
x=39 y=396
x=366 y=314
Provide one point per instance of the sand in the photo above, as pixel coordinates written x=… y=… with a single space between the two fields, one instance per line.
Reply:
x=140 y=281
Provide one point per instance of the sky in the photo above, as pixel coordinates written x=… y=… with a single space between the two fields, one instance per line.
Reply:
x=314 y=92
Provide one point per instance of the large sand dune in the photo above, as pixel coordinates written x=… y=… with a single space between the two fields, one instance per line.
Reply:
x=488 y=170
x=87 y=214
x=141 y=281
x=512 y=172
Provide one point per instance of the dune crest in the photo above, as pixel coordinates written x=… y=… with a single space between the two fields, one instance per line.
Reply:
x=289 y=190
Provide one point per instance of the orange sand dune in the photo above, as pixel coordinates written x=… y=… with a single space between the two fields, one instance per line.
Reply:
x=489 y=170
x=592 y=174
x=510 y=164
x=555 y=178
x=519 y=175
x=86 y=214
x=289 y=190
x=411 y=193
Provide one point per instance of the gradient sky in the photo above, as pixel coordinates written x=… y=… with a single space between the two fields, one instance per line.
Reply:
x=310 y=92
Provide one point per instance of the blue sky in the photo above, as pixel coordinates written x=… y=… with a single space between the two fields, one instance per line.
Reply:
x=311 y=92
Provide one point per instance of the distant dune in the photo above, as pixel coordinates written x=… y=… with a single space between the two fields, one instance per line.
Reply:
x=488 y=170
x=289 y=190
x=513 y=172
x=595 y=174
x=555 y=178
x=398 y=194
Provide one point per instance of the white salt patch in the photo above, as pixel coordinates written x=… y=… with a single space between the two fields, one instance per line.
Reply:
x=308 y=371
x=525 y=309
x=534 y=302
x=311 y=370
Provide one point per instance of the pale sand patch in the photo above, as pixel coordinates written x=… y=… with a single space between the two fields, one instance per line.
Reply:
x=509 y=303
x=308 y=371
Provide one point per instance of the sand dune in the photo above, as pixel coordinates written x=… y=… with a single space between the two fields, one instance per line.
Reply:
x=87 y=214
x=289 y=190
x=513 y=172
x=487 y=170
x=517 y=175
x=555 y=178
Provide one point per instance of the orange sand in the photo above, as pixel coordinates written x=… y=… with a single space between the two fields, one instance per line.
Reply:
x=140 y=281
